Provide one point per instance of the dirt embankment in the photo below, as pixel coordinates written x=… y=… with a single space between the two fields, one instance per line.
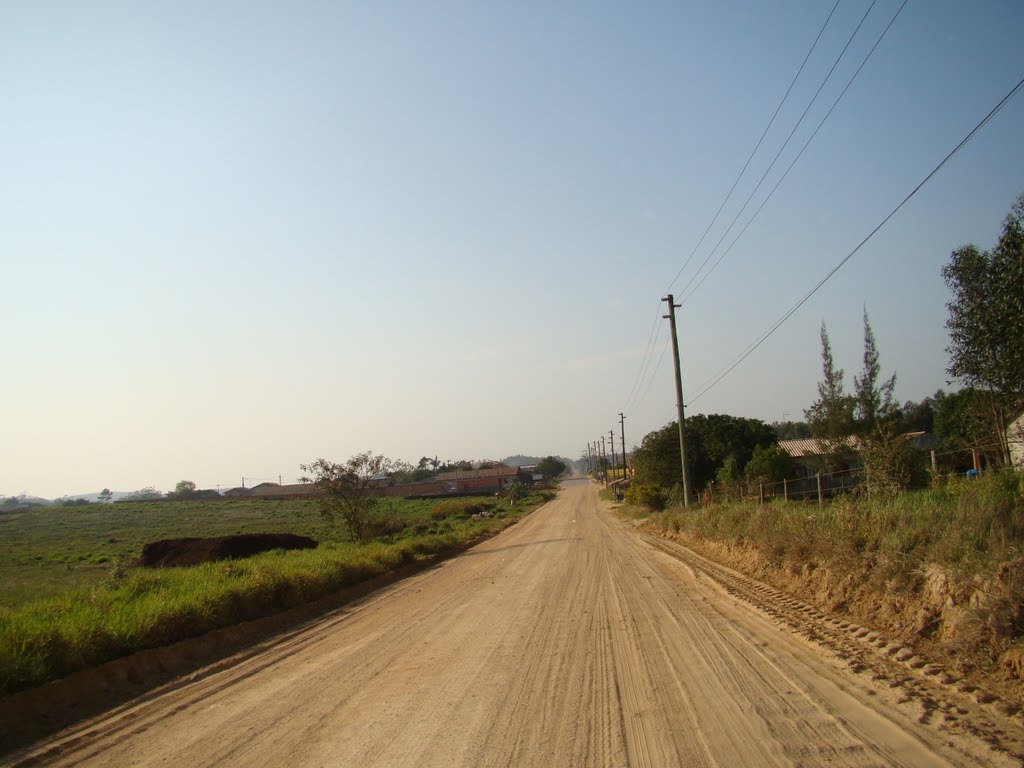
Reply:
x=968 y=624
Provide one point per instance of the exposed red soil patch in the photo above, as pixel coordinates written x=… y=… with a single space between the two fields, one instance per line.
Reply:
x=167 y=553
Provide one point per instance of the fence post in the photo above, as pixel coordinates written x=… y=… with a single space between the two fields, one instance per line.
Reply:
x=760 y=493
x=935 y=465
x=821 y=492
x=785 y=490
x=977 y=461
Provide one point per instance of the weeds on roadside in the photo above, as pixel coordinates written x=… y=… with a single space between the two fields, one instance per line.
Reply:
x=134 y=609
x=965 y=525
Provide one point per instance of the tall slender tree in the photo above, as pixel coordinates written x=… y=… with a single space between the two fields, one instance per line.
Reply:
x=831 y=415
x=874 y=400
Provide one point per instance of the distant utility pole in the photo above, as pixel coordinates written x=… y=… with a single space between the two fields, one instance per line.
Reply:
x=622 y=427
x=611 y=442
x=604 y=457
x=671 y=317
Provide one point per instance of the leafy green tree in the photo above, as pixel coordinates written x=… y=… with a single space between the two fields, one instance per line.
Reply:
x=874 y=400
x=769 y=464
x=791 y=430
x=463 y=465
x=917 y=416
x=73 y=503
x=715 y=437
x=347 y=490
x=711 y=439
x=986 y=321
x=514 y=491
x=831 y=415
x=105 y=495
x=149 y=493
x=656 y=459
x=729 y=479
x=550 y=466
x=184 y=489
x=963 y=421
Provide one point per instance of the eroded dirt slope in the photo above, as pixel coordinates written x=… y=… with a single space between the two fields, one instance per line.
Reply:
x=567 y=640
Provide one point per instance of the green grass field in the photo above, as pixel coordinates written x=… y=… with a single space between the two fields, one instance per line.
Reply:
x=68 y=602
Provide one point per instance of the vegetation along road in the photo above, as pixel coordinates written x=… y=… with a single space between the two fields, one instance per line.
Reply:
x=567 y=640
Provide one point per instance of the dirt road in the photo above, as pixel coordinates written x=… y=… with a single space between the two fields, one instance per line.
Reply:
x=569 y=640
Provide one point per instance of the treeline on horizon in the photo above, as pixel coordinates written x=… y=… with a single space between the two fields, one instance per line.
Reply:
x=985 y=323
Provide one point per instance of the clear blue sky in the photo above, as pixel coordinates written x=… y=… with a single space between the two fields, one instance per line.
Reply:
x=239 y=236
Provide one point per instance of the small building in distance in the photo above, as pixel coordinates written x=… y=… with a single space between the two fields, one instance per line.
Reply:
x=1015 y=438
x=490 y=480
x=839 y=461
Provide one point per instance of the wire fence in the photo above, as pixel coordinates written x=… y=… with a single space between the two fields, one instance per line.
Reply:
x=809 y=485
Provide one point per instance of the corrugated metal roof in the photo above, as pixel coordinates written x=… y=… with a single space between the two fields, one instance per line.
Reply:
x=812 y=446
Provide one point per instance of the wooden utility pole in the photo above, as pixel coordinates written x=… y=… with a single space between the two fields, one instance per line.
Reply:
x=604 y=461
x=611 y=442
x=671 y=317
x=622 y=433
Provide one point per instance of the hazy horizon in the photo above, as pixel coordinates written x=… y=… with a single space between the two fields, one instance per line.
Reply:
x=240 y=238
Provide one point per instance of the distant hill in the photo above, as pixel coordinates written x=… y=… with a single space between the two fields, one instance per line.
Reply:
x=523 y=461
x=520 y=461
x=95 y=497
x=15 y=503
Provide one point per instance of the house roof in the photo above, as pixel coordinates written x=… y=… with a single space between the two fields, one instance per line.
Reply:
x=811 y=446
x=479 y=474
x=272 y=489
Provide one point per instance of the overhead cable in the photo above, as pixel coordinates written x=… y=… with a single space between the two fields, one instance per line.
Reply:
x=781 y=149
x=756 y=147
x=795 y=159
x=775 y=326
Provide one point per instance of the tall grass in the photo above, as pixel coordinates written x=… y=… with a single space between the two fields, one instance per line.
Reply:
x=970 y=526
x=137 y=609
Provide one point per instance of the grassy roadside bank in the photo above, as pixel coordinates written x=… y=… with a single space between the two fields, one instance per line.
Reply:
x=135 y=609
x=942 y=567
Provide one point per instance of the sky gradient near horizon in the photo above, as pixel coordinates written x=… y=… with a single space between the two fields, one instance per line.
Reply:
x=237 y=237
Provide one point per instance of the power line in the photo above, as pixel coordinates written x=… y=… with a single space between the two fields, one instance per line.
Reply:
x=782 y=148
x=644 y=360
x=649 y=347
x=795 y=159
x=771 y=330
x=654 y=374
x=754 y=150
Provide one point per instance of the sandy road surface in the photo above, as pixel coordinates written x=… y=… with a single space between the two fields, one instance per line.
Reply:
x=569 y=640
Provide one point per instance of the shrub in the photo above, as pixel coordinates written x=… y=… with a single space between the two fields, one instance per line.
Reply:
x=459 y=508
x=647 y=495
